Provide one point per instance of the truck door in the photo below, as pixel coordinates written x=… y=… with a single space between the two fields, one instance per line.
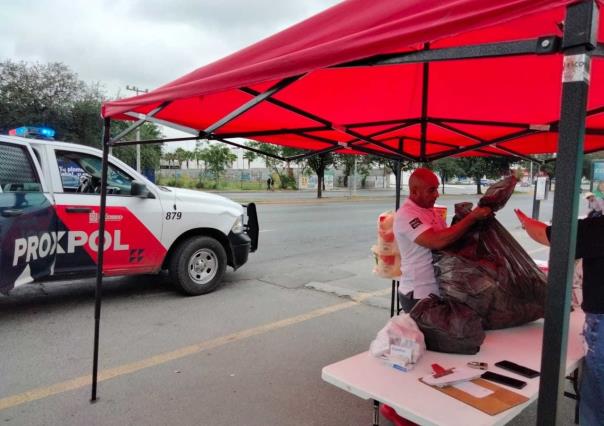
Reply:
x=27 y=219
x=133 y=224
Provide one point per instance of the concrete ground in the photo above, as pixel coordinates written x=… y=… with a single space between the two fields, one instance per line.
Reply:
x=250 y=353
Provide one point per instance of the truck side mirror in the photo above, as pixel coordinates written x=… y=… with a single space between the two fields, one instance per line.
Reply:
x=139 y=189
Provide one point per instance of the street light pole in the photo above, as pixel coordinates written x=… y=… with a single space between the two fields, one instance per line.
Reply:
x=138 y=131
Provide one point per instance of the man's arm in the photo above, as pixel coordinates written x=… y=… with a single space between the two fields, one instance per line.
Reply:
x=436 y=240
x=534 y=228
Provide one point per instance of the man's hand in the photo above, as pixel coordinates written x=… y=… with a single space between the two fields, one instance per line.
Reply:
x=481 y=213
x=437 y=240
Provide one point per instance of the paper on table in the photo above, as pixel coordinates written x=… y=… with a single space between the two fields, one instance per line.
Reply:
x=459 y=375
x=473 y=389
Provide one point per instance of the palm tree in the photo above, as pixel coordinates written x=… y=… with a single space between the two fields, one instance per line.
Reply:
x=181 y=155
x=249 y=156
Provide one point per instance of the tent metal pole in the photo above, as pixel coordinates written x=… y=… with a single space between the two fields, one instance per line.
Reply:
x=277 y=157
x=289 y=107
x=140 y=122
x=517 y=154
x=252 y=103
x=480 y=140
x=406 y=122
x=541 y=46
x=99 y=265
x=274 y=132
x=480 y=122
x=373 y=142
x=397 y=176
x=385 y=131
x=152 y=141
x=580 y=29
x=506 y=138
x=311 y=154
x=318 y=119
x=424 y=122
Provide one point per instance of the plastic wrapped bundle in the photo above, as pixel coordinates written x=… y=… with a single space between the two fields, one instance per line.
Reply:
x=448 y=326
x=386 y=265
x=489 y=271
x=385 y=252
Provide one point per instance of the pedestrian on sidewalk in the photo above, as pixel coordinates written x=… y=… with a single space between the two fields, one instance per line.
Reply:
x=269 y=183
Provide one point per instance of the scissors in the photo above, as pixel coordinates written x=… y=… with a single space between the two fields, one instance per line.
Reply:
x=479 y=365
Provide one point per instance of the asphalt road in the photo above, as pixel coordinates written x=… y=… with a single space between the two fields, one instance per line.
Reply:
x=250 y=353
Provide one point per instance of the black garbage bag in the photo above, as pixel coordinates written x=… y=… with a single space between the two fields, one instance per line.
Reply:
x=488 y=271
x=448 y=326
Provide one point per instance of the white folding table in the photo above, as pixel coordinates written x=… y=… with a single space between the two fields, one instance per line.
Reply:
x=370 y=378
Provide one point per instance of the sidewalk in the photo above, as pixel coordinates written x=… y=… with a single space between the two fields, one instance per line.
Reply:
x=340 y=194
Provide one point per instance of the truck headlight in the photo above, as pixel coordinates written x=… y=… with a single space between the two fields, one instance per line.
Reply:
x=238 y=226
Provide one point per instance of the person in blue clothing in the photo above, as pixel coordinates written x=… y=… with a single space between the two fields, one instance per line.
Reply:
x=590 y=248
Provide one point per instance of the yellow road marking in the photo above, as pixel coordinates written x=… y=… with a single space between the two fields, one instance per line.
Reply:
x=111 y=373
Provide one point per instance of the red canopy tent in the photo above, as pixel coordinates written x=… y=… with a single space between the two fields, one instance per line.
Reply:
x=412 y=80
x=357 y=76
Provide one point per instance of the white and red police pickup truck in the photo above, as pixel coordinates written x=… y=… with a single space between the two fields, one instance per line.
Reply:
x=49 y=214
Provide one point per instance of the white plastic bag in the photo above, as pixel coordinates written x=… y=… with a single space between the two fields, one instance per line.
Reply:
x=400 y=343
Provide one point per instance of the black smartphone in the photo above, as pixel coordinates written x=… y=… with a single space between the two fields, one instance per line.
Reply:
x=504 y=380
x=518 y=369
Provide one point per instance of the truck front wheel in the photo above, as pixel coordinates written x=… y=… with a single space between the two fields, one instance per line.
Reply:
x=198 y=264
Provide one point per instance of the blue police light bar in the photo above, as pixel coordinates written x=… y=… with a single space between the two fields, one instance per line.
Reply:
x=33 y=132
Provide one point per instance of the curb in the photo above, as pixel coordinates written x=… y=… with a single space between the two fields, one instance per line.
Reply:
x=324 y=200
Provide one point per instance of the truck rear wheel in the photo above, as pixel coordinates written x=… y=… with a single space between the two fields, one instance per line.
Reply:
x=198 y=264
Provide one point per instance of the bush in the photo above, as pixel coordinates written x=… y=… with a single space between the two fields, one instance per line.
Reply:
x=288 y=182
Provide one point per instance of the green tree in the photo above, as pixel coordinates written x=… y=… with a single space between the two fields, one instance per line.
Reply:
x=271 y=163
x=169 y=157
x=150 y=153
x=346 y=162
x=318 y=163
x=447 y=168
x=181 y=156
x=249 y=155
x=287 y=179
x=217 y=158
x=477 y=167
x=49 y=95
x=52 y=95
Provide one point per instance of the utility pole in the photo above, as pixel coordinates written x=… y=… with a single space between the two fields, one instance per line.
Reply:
x=138 y=131
x=354 y=188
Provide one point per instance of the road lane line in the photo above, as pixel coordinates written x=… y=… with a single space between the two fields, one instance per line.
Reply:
x=111 y=373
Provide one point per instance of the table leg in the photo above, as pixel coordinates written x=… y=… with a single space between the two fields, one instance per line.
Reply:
x=392 y=299
x=376 y=413
x=574 y=379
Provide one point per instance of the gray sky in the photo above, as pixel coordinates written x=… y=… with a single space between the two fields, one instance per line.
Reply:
x=145 y=43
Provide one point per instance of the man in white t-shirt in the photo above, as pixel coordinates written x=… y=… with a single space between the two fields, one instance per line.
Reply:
x=419 y=230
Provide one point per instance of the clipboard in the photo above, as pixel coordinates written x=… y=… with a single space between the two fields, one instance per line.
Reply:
x=500 y=400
